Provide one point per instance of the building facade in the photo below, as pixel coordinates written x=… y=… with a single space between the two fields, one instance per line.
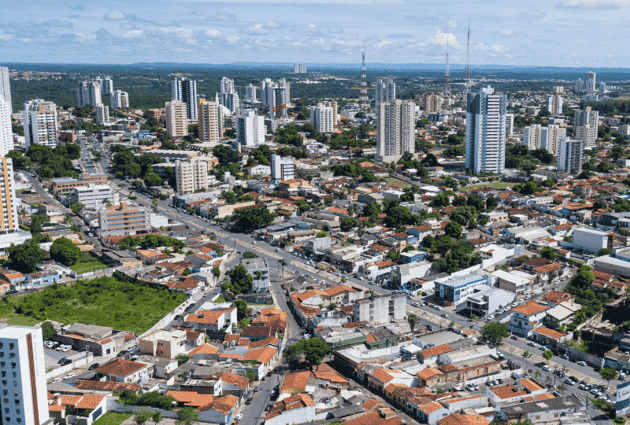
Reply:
x=550 y=138
x=119 y=99
x=250 y=93
x=107 y=84
x=379 y=309
x=89 y=93
x=282 y=168
x=210 y=121
x=6 y=129
x=433 y=103
x=586 y=124
x=124 y=220
x=191 y=176
x=590 y=82
x=455 y=290
x=250 y=129
x=554 y=104
x=322 y=117
x=102 y=114
x=5 y=86
x=570 y=155
x=384 y=91
x=185 y=91
x=9 y=224
x=592 y=240
x=92 y=196
x=176 y=118
x=395 y=130
x=300 y=68
x=228 y=96
x=532 y=136
x=40 y=123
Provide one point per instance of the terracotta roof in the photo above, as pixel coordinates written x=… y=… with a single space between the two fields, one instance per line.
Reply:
x=530 y=308
x=555 y=296
x=374 y=418
x=204 y=349
x=430 y=407
x=457 y=419
x=429 y=372
x=298 y=401
x=105 y=385
x=209 y=316
x=548 y=268
x=256 y=332
x=530 y=385
x=353 y=325
x=89 y=401
x=224 y=405
x=263 y=355
x=121 y=367
x=602 y=275
x=434 y=351
x=335 y=290
x=229 y=378
x=550 y=333
x=295 y=383
x=382 y=375
x=508 y=391
x=272 y=340
x=191 y=398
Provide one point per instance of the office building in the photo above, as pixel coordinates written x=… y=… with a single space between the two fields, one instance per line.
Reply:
x=5 y=86
x=24 y=400
x=433 y=102
x=176 y=118
x=89 y=93
x=191 y=175
x=282 y=168
x=185 y=91
x=485 y=131
x=40 y=123
x=395 y=129
x=102 y=114
x=456 y=290
x=590 y=82
x=509 y=125
x=64 y=185
x=300 y=68
x=250 y=94
x=6 y=129
x=228 y=96
x=250 y=129
x=379 y=309
x=586 y=124
x=384 y=91
x=107 y=85
x=570 y=155
x=119 y=99
x=124 y=220
x=210 y=121
x=550 y=138
x=592 y=240
x=554 y=104
x=532 y=136
x=92 y=196
x=322 y=117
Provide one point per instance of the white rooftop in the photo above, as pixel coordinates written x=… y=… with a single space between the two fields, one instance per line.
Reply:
x=15 y=332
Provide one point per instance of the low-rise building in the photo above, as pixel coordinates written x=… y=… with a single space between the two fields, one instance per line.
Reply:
x=127 y=371
x=123 y=220
x=380 y=309
x=259 y=270
x=592 y=240
x=526 y=317
x=168 y=344
x=455 y=290
x=488 y=300
x=92 y=196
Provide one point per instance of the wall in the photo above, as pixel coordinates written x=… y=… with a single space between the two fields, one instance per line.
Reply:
x=502 y=375
x=119 y=407
x=67 y=368
x=170 y=316
x=588 y=358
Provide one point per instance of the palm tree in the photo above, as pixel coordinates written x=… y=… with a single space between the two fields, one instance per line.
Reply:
x=537 y=373
x=562 y=388
x=412 y=319
x=548 y=379
x=526 y=355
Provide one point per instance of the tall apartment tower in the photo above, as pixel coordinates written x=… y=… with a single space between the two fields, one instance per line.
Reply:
x=590 y=82
x=282 y=168
x=176 y=118
x=322 y=117
x=532 y=136
x=102 y=114
x=8 y=209
x=5 y=86
x=191 y=175
x=300 y=68
x=210 y=121
x=570 y=155
x=277 y=102
x=24 y=400
x=579 y=86
x=119 y=99
x=250 y=129
x=586 y=124
x=384 y=91
x=550 y=138
x=282 y=82
x=509 y=125
x=485 y=131
x=40 y=123
x=228 y=96
x=250 y=93
x=395 y=129
x=89 y=93
x=433 y=103
x=6 y=130
x=185 y=91
x=107 y=85
x=554 y=104
x=333 y=105
x=265 y=86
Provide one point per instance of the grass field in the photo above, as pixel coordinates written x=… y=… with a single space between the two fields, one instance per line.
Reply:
x=81 y=268
x=112 y=418
x=394 y=181
x=494 y=185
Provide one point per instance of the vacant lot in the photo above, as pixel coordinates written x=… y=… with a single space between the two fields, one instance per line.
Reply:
x=106 y=301
x=494 y=185
x=81 y=268
x=112 y=418
x=395 y=182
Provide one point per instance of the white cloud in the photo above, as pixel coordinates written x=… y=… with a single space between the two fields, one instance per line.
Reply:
x=442 y=37
x=221 y=17
x=133 y=34
x=592 y=4
x=214 y=34
x=498 y=48
x=533 y=15
x=114 y=15
x=262 y=29
x=509 y=34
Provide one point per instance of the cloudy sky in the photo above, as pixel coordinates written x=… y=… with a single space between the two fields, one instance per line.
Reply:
x=590 y=33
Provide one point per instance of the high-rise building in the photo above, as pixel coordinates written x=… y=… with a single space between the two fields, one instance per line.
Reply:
x=579 y=86
x=395 y=129
x=550 y=138
x=250 y=129
x=185 y=91
x=265 y=86
x=9 y=223
x=6 y=129
x=119 y=99
x=532 y=136
x=509 y=125
x=570 y=155
x=89 y=93
x=24 y=398
x=277 y=102
x=554 y=104
x=300 y=68
x=102 y=114
x=107 y=85
x=191 y=175
x=333 y=105
x=322 y=117
x=250 y=93
x=228 y=96
x=123 y=220
x=384 y=91
x=5 y=86
x=485 y=131
x=558 y=89
x=282 y=82
x=282 y=168
x=210 y=121
x=590 y=82
x=586 y=124
x=40 y=123
x=176 y=118
x=433 y=102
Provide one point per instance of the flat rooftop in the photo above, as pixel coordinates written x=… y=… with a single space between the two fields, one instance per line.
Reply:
x=15 y=332
x=441 y=337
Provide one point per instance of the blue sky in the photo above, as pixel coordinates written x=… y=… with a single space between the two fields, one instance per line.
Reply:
x=590 y=33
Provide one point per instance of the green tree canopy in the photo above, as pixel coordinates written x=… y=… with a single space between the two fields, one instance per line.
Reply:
x=65 y=251
x=311 y=350
x=252 y=218
x=240 y=282
x=494 y=332
x=25 y=257
x=241 y=309
x=453 y=229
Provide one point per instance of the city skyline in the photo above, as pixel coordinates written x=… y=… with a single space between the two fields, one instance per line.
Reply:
x=560 y=33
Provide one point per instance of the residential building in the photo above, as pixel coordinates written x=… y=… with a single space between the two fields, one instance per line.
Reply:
x=124 y=220
x=210 y=121
x=300 y=68
x=322 y=117
x=526 y=317
x=395 y=130
x=168 y=344
x=509 y=125
x=191 y=175
x=586 y=124
x=102 y=114
x=107 y=84
x=456 y=289
x=250 y=129
x=250 y=93
x=487 y=300
x=92 y=196
x=126 y=371
x=552 y=410
x=63 y=186
x=213 y=320
x=592 y=240
x=384 y=91
x=6 y=129
x=265 y=88
x=579 y=86
x=590 y=82
x=89 y=93
x=176 y=118
x=550 y=138
x=5 y=86
x=433 y=103
x=570 y=155
x=532 y=136
x=40 y=123
x=259 y=270
x=554 y=104
x=485 y=131
x=228 y=96
x=282 y=168
x=379 y=309
x=185 y=91
x=277 y=100
x=119 y=99
x=24 y=400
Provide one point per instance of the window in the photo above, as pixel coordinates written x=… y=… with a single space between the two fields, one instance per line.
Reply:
x=11 y=346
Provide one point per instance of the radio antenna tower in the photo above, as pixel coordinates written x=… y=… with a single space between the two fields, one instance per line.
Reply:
x=447 y=75
x=468 y=60
x=364 y=101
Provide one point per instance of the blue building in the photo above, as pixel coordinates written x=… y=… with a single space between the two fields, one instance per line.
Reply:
x=412 y=257
x=456 y=290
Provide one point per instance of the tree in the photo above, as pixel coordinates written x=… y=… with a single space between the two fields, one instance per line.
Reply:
x=321 y=234
x=453 y=229
x=252 y=218
x=216 y=271
x=582 y=279
x=608 y=374
x=77 y=207
x=312 y=350
x=48 y=330
x=249 y=254
x=152 y=179
x=250 y=374
x=225 y=155
x=491 y=203
x=494 y=332
x=241 y=309
x=412 y=319
x=549 y=253
x=348 y=223
x=428 y=241
x=547 y=355
x=240 y=281
x=181 y=359
x=475 y=200
x=65 y=251
x=529 y=188
x=331 y=306
x=603 y=251
x=142 y=416
x=157 y=417
x=526 y=355
x=25 y=257
x=187 y=415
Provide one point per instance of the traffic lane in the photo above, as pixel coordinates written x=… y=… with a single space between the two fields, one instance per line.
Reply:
x=257 y=409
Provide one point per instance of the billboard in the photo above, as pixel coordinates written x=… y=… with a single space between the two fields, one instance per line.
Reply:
x=623 y=399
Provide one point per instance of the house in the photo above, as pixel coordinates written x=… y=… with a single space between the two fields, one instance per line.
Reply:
x=526 y=317
x=264 y=356
x=548 y=336
x=515 y=393
x=213 y=320
x=127 y=371
x=296 y=409
x=561 y=314
x=168 y=344
x=556 y=297
x=89 y=406
x=459 y=419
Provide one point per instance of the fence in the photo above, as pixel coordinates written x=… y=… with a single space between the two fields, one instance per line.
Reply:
x=588 y=358
x=170 y=316
x=67 y=368
x=500 y=375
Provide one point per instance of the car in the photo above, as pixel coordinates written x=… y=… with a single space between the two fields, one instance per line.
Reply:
x=64 y=361
x=205 y=295
x=514 y=337
x=546 y=368
x=542 y=348
x=583 y=383
x=56 y=380
x=491 y=317
x=66 y=349
x=68 y=376
x=531 y=343
x=444 y=315
x=239 y=417
x=574 y=379
x=595 y=392
x=438 y=308
x=421 y=304
x=93 y=366
x=581 y=363
x=257 y=388
x=268 y=408
x=569 y=382
x=564 y=356
x=248 y=401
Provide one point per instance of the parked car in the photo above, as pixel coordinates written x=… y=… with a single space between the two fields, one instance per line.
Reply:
x=93 y=366
x=531 y=343
x=56 y=380
x=546 y=368
x=564 y=356
x=68 y=376
x=581 y=363
x=514 y=337
x=257 y=388
x=569 y=382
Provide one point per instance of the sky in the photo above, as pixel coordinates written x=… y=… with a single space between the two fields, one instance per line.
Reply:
x=564 y=33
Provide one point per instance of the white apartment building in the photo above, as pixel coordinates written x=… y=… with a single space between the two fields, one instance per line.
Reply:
x=185 y=91
x=8 y=208
x=107 y=84
x=433 y=102
x=119 y=99
x=592 y=240
x=102 y=114
x=322 y=117
x=395 y=129
x=250 y=93
x=5 y=86
x=277 y=100
x=300 y=68
x=586 y=124
x=191 y=175
x=265 y=87
x=509 y=125
x=250 y=129
x=6 y=130
x=24 y=398
x=210 y=121
x=384 y=91
x=40 y=123
x=228 y=96
x=282 y=168
x=554 y=104
x=532 y=136
x=485 y=131
x=89 y=93
x=550 y=138
x=176 y=118
x=590 y=82
x=380 y=309
x=570 y=155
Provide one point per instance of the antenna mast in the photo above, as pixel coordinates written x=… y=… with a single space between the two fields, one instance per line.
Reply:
x=468 y=60
x=447 y=85
x=364 y=101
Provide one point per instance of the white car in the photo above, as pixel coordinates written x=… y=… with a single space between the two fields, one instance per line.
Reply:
x=56 y=380
x=68 y=376
x=239 y=417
